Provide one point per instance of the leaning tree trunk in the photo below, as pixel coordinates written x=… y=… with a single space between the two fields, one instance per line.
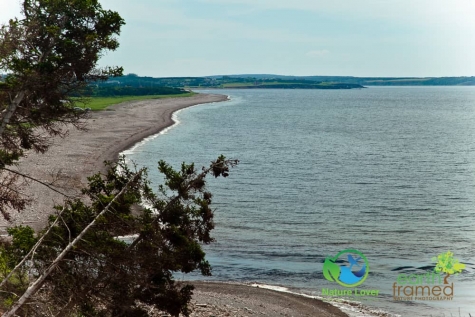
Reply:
x=10 y=110
x=33 y=288
x=30 y=254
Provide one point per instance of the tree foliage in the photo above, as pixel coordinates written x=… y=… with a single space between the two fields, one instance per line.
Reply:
x=116 y=91
x=105 y=275
x=446 y=263
x=46 y=56
x=99 y=255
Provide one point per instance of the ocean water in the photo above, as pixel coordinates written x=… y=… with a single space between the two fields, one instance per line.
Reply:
x=388 y=171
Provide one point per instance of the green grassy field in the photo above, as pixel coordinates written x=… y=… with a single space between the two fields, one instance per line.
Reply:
x=247 y=84
x=101 y=103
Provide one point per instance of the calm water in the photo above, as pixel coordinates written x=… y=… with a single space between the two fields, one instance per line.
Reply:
x=387 y=171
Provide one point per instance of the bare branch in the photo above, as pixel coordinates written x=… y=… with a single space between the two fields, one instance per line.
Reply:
x=30 y=254
x=36 y=285
x=37 y=181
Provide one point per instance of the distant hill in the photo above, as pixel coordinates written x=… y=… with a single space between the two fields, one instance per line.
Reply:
x=368 y=81
x=275 y=81
x=233 y=82
x=266 y=81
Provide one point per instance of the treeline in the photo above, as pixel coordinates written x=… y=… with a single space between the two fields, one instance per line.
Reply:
x=438 y=81
x=365 y=81
x=134 y=80
x=287 y=85
x=116 y=85
x=133 y=84
x=114 y=91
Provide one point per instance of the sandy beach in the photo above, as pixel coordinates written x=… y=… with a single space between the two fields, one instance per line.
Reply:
x=80 y=154
x=223 y=299
x=70 y=160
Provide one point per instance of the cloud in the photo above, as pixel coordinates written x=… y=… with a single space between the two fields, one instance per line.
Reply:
x=173 y=23
x=318 y=53
x=419 y=12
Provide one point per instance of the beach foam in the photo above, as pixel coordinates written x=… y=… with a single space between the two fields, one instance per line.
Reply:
x=176 y=122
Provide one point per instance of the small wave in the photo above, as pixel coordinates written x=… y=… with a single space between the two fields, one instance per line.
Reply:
x=400 y=268
x=427 y=268
x=272 y=287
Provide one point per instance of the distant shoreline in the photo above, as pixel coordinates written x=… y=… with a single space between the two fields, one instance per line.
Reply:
x=267 y=81
x=335 y=86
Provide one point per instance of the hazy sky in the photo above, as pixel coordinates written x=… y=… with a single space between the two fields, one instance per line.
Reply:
x=292 y=37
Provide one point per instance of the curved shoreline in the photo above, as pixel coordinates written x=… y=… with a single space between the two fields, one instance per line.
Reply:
x=168 y=109
x=168 y=123
x=70 y=160
x=173 y=122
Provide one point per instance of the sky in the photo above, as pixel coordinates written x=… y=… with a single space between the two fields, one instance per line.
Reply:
x=373 y=38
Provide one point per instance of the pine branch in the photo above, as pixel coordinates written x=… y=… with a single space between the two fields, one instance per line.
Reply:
x=36 y=285
x=31 y=253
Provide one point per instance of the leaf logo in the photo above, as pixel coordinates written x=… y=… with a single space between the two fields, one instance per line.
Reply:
x=446 y=263
x=331 y=270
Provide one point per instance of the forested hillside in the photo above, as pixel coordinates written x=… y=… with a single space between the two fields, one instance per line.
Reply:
x=272 y=81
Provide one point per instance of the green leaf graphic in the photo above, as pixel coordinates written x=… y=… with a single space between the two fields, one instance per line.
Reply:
x=446 y=263
x=331 y=271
